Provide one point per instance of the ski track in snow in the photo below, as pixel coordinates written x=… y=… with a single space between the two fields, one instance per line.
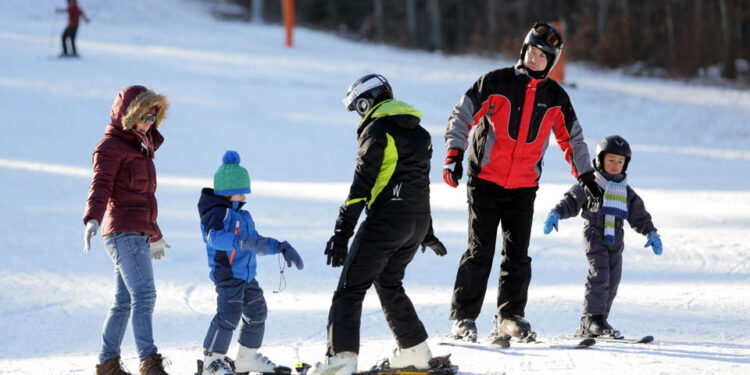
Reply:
x=234 y=86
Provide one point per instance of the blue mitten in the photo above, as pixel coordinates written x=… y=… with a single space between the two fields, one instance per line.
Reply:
x=654 y=241
x=551 y=222
x=290 y=255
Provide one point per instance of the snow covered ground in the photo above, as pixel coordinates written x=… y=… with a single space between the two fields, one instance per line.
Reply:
x=234 y=86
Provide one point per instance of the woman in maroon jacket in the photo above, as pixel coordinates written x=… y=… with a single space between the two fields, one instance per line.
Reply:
x=123 y=187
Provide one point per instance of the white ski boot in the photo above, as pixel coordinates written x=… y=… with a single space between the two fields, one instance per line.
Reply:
x=249 y=360
x=418 y=357
x=343 y=363
x=214 y=364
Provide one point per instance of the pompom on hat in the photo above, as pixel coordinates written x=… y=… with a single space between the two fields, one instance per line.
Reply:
x=231 y=178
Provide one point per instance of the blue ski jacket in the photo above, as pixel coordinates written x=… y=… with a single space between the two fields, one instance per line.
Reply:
x=223 y=223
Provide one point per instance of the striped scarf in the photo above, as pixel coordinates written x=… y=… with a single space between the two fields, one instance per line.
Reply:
x=615 y=204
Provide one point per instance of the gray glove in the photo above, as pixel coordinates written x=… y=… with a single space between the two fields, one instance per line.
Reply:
x=91 y=227
x=157 y=249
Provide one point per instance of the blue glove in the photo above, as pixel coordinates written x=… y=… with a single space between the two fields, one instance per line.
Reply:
x=551 y=222
x=654 y=241
x=291 y=255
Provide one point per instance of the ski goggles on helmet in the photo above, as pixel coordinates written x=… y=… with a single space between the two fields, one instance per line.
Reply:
x=548 y=33
x=356 y=90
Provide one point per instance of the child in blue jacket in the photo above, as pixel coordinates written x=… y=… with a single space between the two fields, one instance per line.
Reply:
x=603 y=232
x=232 y=244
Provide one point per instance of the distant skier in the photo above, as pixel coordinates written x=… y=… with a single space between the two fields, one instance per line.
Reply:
x=514 y=110
x=603 y=232
x=122 y=192
x=74 y=15
x=391 y=181
x=232 y=244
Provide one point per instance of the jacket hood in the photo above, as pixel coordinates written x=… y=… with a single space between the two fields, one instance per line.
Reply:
x=408 y=115
x=209 y=200
x=132 y=103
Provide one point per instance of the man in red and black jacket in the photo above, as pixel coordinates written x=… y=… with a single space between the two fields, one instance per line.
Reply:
x=74 y=15
x=514 y=111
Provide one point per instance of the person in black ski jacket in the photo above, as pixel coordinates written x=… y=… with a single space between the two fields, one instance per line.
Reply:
x=603 y=232
x=514 y=110
x=391 y=182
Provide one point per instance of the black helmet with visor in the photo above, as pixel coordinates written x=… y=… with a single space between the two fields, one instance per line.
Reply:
x=367 y=91
x=547 y=38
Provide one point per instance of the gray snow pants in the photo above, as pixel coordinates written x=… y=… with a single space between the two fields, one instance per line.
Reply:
x=605 y=270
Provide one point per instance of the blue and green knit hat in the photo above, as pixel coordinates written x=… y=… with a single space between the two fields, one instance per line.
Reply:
x=231 y=178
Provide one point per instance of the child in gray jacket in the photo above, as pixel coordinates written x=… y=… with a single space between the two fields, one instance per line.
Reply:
x=603 y=232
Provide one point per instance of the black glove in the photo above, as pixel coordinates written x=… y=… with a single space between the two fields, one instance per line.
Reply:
x=434 y=243
x=453 y=169
x=336 y=250
x=594 y=192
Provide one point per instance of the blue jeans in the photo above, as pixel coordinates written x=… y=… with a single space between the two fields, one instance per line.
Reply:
x=134 y=291
x=237 y=298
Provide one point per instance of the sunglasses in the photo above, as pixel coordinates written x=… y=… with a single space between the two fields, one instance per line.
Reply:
x=148 y=118
x=547 y=33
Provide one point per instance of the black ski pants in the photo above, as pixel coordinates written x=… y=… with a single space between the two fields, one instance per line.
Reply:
x=379 y=254
x=69 y=33
x=489 y=206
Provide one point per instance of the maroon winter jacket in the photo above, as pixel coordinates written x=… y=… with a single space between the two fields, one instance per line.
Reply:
x=124 y=179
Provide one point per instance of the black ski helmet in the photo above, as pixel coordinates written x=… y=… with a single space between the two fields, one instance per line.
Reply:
x=613 y=144
x=367 y=91
x=547 y=38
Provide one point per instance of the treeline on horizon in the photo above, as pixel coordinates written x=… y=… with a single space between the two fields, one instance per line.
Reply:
x=678 y=38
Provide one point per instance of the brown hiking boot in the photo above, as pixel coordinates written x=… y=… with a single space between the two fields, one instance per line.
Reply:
x=111 y=367
x=153 y=365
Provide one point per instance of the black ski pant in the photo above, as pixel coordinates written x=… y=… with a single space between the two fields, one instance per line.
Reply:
x=69 y=33
x=605 y=271
x=379 y=254
x=490 y=205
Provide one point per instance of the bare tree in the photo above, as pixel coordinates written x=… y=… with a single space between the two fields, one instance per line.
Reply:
x=436 y=35
x=379 y=22
x=257 y=6
x=729 y=70
x=411 y=21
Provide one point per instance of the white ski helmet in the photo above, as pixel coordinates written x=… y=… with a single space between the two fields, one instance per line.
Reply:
x=367 y=91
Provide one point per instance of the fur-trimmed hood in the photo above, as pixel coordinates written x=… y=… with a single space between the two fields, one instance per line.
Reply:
x=132 y=103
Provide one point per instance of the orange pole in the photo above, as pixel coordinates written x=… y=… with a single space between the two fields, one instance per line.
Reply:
x=558 y=72
x=288 y=12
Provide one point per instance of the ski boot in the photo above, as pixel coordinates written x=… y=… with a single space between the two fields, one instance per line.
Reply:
x=464 y=329
x=111 y=367
x=249 y=360
x=417 y=356
x=504 y=329
x=596 y=326
x=344 y=363
x=214 y=364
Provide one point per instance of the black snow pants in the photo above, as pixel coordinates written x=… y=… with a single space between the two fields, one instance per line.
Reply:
x=379 y=254
x=69 y=33
x=489 y=206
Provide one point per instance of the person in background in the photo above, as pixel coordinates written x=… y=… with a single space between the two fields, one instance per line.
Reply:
x=122 y=189
x=74 y=15
x=603 y=232
x=514 y=110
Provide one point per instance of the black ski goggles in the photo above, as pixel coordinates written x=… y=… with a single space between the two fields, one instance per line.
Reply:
x=548 y=33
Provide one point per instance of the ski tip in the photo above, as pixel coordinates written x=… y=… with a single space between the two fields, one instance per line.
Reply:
x=647 y=339
x=585 y=343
